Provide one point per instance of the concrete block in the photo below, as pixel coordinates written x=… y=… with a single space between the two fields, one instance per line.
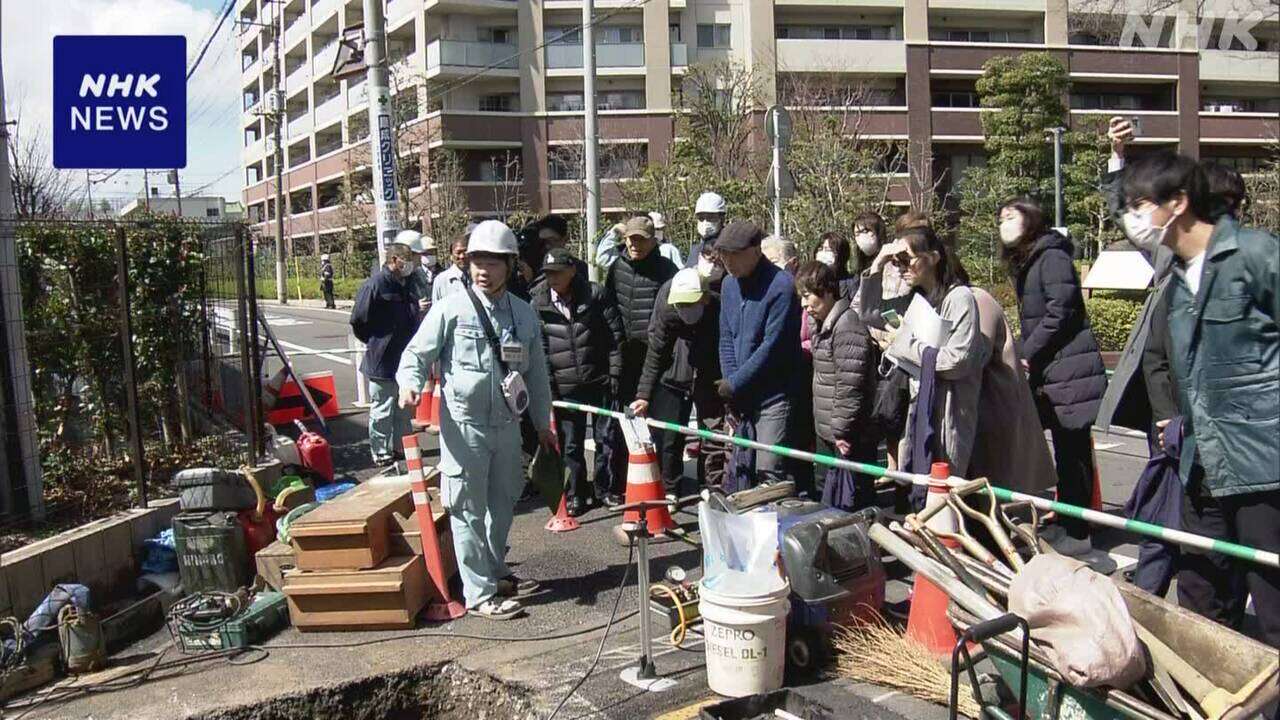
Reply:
x=58 y=565
x=121 y=565
x=26 y=585
x=91 y=561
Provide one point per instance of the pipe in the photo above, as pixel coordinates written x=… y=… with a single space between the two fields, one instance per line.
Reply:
x=1179 y=537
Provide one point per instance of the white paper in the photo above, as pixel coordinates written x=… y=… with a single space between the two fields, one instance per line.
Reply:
x=921 y=323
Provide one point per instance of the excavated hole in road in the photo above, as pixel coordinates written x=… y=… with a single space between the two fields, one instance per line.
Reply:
x=430 y=692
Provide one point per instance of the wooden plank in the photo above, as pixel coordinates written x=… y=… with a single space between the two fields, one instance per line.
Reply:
x=272 y=561
x=350 y=531
x=390 y=595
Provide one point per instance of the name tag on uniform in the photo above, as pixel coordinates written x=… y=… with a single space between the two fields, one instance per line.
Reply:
x=513 y=353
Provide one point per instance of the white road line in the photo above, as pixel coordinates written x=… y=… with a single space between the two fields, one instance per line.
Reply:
x=885 y=696
x=1106 y=446
x=303 y=348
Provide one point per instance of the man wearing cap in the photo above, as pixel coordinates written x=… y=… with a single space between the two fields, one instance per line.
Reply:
x=688 y=314
x=419 y=283
x=326 y=281
x=759 y=343
x=383 y=318
x=480 y=458
x=633 y=283
x=582 y=336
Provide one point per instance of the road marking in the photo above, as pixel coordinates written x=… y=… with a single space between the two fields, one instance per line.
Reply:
x=284 y=321
x=303 y=348
x=884 y=696
x=1106 y=446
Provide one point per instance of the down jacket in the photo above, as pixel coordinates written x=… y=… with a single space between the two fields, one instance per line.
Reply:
x=844 y=374
x=635 y=284
x=1066 y=366
x=582 y=350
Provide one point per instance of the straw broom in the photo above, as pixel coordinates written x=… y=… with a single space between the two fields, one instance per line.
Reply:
x=871 y=651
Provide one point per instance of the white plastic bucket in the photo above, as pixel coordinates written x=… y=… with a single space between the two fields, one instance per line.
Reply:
x=745 y=639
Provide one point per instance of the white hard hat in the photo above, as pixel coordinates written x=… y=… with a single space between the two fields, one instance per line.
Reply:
x=659 y=221
x=492 y=236
x=709 y=202
x=413 y=240
x=324 y=256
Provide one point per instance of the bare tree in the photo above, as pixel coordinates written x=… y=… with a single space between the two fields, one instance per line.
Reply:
x=508 y=190
x=718 y=105
x=39 y=189
x=444 y=211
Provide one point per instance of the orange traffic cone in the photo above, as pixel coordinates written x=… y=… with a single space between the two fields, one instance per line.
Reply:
x=562 y=521
x=927 y=622
x=445 y=607
x=426 y=416
x=1095 y=501
x=644 y=482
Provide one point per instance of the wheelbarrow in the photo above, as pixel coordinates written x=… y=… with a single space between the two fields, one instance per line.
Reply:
x=1242 y=672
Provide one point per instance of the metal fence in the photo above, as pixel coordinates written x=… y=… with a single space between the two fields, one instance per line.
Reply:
x=139 y=338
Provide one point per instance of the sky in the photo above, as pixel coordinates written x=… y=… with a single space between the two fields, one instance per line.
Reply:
x=27 y=28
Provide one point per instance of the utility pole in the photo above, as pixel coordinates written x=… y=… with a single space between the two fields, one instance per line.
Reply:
x=146 y=189
x=177 y=189
x=382 y=144
x=1058 y=220
x=88 y=190
x=21 y=491
x=777 y=180
x=277 y=30
x=591 y=171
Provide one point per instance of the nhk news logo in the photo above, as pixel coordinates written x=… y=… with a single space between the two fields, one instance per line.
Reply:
x=119 y=101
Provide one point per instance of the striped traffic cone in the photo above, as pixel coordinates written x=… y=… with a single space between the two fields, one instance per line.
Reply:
x=445 y=607
x=426 y=416
x=644 y=482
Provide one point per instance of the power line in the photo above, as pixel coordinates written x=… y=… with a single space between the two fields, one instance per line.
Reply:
x=226 y=12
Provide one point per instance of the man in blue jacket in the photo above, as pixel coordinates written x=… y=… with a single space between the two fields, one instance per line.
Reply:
x=759 y=343
x=384 y=318
x=1224 y=349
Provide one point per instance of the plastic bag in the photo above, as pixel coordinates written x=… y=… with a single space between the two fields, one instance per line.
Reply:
x=738 y=545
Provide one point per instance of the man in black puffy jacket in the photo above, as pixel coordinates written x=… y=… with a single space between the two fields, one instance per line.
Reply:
x=688 y=315
x=633 y=282
x=582 y=336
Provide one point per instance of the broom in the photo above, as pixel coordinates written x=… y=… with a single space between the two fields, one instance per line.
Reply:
x=871 y=651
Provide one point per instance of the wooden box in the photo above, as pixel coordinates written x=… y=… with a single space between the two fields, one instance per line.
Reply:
x=272 y=561
x=350 y=531
x=387 y=597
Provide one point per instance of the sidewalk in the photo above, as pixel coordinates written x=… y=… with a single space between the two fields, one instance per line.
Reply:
x=309 y=303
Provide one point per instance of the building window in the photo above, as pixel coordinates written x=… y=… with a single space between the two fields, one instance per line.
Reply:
x=979 y=36
x=211 y=212
x=623 y=161
x=564 y=162
x=565 y=36
x=496 y=35
x=673 y=33
x=835 y=32
x=1105 y=101
x=608 y=100
x=955 y=99
x=1242 y=165
x=714 y=36
x=1237 y=104
x=619 y=35
x=501 y=102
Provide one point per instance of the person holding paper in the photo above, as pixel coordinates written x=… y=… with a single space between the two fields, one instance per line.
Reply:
x=946 y=368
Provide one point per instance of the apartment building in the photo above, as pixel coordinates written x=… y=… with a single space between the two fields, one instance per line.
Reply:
x=514 y=125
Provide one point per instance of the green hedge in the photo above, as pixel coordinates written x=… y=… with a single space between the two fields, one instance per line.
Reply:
x=343 y=288
x=1112 y=319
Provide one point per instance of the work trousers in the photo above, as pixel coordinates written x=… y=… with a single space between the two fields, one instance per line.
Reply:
x=388 y=422
x=1215 y=585
x=571 y=426
x=327 y=287
x=673 y=406
x=713 y=457
x=1073 y=455
x=611 y=461
x=481 y=499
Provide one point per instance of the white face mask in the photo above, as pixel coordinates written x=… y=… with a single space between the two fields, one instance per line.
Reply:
x=826 y=257
x=660 y=236
x=1144 y=236
x=690 y=314
x=705 y=267
x=429 y=260
x=707 y=228
x=1011 y=231
x=867 y=243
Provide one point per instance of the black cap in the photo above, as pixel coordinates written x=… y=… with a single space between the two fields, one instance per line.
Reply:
x=739 y=235
x=558 y=259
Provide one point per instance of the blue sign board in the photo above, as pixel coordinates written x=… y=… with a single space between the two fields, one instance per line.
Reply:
x=119 y=101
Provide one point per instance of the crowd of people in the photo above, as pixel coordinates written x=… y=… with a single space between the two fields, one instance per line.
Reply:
x=753 y=339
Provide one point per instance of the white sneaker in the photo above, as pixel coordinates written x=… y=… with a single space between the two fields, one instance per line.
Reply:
x=1064 y=544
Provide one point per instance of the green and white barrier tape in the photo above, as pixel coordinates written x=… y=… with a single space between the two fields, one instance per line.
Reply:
x=1179 y=537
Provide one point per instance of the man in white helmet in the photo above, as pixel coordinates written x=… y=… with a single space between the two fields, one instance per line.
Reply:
x=419 y=281
x=488 y=344
x=709 y=212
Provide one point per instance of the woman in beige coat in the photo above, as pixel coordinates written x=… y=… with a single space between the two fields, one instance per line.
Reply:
x=1009 y=447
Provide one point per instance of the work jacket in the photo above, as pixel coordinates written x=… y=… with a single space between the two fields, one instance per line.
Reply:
x=1224 y=347
x=383 y=318
x=583 y=350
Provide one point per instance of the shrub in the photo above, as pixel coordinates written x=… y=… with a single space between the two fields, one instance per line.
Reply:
x=1112 y=319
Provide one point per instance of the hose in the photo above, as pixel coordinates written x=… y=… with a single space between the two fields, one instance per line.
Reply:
x=676 y=638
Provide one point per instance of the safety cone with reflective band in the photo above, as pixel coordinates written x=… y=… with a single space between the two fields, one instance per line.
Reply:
x=927 y=622
x=445 y=608
x=562 y=521
x=427 y=415
x=644 y=482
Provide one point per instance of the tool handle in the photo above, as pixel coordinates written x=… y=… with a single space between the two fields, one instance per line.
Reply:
x=988 y=629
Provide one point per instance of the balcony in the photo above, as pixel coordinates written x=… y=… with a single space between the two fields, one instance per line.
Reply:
x=297 y=79
x=1129 y=62
x=300 y=126
x=845 y=56
x=444 y=54
x=329 y=108
x=1154 y=125
x=253 y=150
x=320 y=9
x=956 y=123
x=296 y=30
x=1223 y=127
x=322 y=63
x=397 y=9
x=1239 y=66
x=619 y=55
x=470 y=6
x=679 y=55
x=406 y=66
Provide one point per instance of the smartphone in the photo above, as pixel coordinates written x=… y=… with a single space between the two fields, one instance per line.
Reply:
x=1136 y=123
x=891 y=318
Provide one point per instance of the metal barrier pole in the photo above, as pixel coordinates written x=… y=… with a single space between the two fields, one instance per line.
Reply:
x=1180 y=537
x=130 y=369
x=357 y=361
x=249 y=381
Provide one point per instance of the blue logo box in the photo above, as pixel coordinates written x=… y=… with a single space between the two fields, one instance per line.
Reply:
x=119 y=101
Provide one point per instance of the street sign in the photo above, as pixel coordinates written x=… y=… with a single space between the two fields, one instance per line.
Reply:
x=349 y=60
x=119 y=101
x=290 y=404
x=788 y=183
x=777 y=125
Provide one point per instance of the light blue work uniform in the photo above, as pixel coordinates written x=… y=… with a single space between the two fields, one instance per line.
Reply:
x=446 y=283
x=480 y=462
x=607 y=250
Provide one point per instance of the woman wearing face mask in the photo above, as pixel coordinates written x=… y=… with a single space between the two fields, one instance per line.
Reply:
x=942 y=410
x=1061 y=355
